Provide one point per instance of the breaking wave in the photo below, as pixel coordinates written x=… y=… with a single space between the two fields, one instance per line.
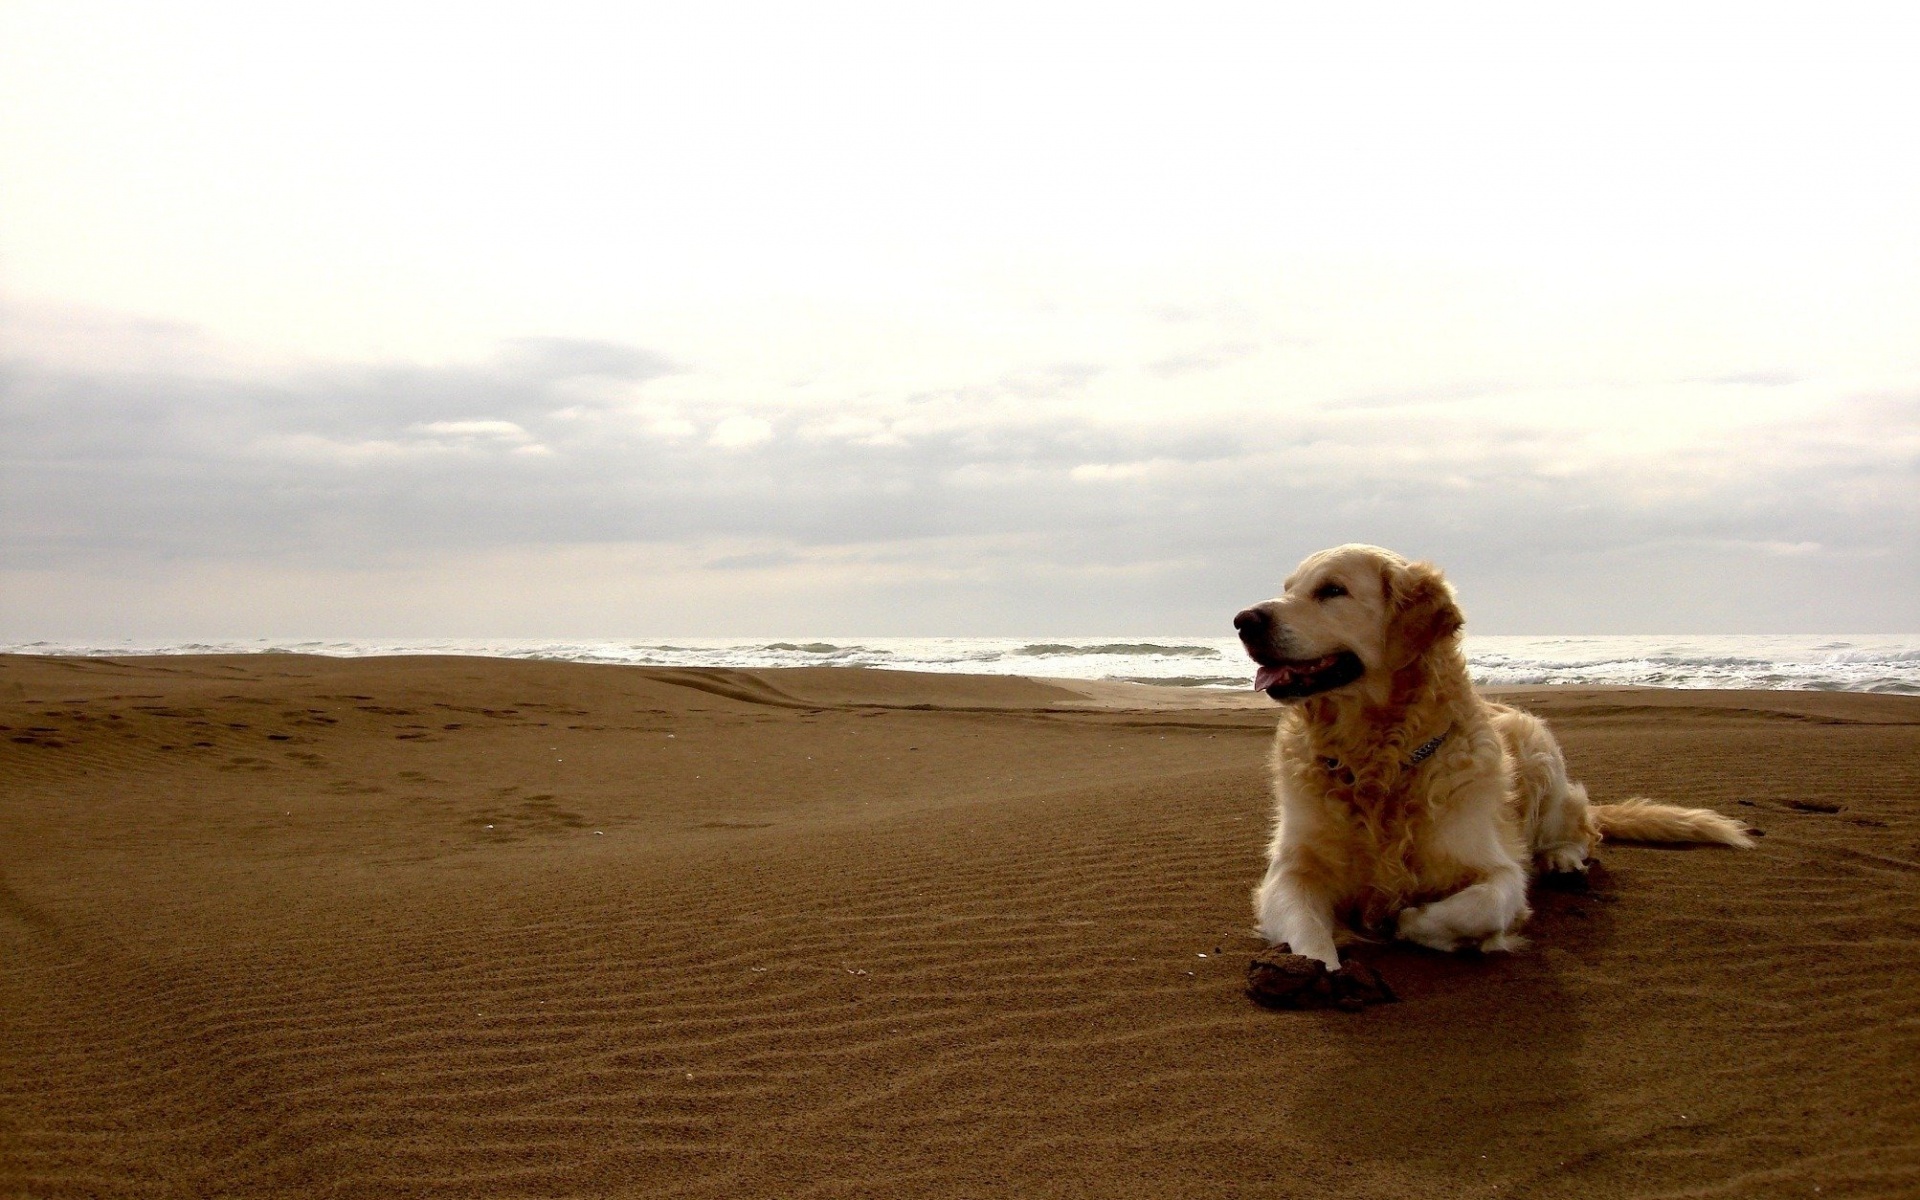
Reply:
x=1879 y=663
x=1052 y=649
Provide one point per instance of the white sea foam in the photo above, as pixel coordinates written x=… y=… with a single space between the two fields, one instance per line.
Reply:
x=1870 y=663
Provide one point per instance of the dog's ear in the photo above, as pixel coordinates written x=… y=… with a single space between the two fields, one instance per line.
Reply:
x=1421 y=611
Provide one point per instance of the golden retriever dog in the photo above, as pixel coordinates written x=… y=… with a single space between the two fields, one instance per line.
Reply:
x=1406 y=804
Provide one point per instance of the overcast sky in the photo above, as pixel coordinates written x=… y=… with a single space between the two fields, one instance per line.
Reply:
x=630 y=320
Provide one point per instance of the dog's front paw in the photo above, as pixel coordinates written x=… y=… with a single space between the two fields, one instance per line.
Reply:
x=1420 y=926
x=1565 y=860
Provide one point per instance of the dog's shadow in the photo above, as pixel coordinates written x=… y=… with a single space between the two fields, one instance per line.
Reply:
x=1475 y=1040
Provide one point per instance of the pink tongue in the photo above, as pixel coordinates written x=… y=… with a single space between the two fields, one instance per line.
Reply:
x=1266 y=677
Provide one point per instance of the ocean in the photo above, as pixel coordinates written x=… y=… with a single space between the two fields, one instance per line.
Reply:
x=1868 y=663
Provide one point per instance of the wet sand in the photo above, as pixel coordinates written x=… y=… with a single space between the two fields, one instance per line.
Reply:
x=281 y=925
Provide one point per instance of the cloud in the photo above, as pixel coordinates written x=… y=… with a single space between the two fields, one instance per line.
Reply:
x=1198 y=361
x=1053 y=380
x=740 y=432
x=1168 y=517
x=1124 y=472
x=753 y=562
x=1424 y=397
x=1765 y=379
x=553 y=358
x=506 y=430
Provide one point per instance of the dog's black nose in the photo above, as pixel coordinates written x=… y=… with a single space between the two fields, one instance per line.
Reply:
x=1252 y=622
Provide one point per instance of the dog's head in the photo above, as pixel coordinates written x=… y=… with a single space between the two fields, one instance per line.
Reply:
x=1346 y=614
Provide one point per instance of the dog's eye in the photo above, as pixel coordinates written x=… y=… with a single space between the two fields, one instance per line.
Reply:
x=1328 y=591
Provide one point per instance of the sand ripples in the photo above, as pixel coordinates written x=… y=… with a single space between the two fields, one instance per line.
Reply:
x=812 y=948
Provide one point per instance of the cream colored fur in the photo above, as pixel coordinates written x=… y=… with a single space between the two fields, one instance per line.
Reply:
x=1438 y=852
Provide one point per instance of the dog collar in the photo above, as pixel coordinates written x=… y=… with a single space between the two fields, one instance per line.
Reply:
x=1425 y=752
x=1421 y=755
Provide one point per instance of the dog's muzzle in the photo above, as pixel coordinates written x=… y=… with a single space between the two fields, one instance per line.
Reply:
x=1286 y=678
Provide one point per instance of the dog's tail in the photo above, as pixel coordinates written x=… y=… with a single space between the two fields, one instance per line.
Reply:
x=1641 y=820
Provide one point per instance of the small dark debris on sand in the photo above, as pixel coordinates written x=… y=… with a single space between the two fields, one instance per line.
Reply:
x=1815 y=806
x=1279 y=978
x=1564 y=881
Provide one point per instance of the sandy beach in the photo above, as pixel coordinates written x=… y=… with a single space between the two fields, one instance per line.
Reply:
x=295 y=926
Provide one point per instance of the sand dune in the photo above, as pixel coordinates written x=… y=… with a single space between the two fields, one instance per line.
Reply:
x=278 y=925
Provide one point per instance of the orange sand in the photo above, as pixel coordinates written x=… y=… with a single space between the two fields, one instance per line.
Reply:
x=293 y=926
